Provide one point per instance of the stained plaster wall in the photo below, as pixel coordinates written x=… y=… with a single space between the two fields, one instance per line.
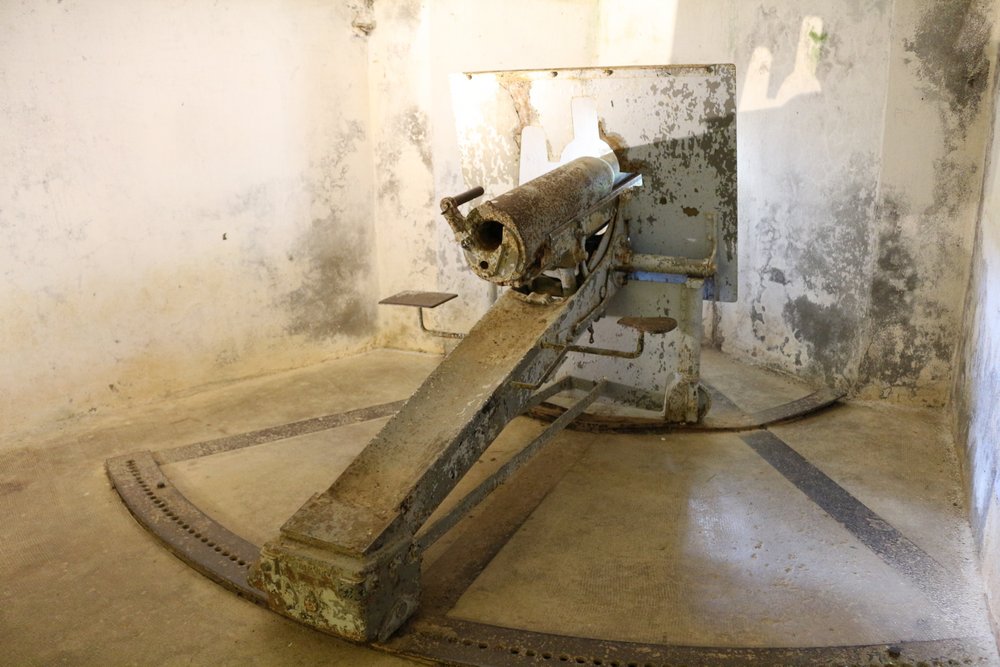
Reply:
x=936 y=124
x=976 y=400
x=185 y=197
x=812 y=81
x=861 y=137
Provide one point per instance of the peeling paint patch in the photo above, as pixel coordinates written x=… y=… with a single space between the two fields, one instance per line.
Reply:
x=363 y=22
x=408 y=11
x=413 y=124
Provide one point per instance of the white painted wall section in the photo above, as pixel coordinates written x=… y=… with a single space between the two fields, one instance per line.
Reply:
x=185 y=197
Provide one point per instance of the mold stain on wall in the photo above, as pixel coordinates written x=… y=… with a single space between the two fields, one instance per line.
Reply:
x=822 y=290
x=405 y=129
x=404 y=209
x=333 y=299
x=910 y=349
x=920 y=269
x=809 y=166
x=951 y=50
x=336 y=295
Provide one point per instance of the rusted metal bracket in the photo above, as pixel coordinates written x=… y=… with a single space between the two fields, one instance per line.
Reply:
x=421 y=300
x=683 y=266
x=602 y=351
x=644 y=325
x=436 y=332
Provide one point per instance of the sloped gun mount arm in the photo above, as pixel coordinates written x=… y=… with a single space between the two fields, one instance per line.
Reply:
x=348 y=561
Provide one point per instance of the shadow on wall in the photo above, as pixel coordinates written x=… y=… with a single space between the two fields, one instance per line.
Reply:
x=807 y=227
x=765 y=86
x=807 y=210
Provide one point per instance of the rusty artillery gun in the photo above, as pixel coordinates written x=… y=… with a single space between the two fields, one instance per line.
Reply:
x=599 y=325
x=348 y=562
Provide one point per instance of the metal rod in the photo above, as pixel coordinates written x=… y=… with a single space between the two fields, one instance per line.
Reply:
x=556 y=387
x=467 y=196
x=491 y=483
x=435 y=332
x=684 y=266
x=602 y=351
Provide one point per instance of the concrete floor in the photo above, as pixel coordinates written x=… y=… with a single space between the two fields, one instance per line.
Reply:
x=689 y=539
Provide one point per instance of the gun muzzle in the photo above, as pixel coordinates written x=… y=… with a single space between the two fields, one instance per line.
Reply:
x=539 y=225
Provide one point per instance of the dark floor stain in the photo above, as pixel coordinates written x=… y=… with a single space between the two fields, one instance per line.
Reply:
x=11 y=487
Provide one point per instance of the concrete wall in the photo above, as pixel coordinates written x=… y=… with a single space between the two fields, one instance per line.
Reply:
x=185 y=197
x=812 y=84
x=936 y=120
x=976 y=406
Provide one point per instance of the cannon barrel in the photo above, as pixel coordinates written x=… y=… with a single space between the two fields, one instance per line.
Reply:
x=537 y=226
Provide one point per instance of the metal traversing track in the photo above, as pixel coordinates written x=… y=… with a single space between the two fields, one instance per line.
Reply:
x=193 y=536
x=224 y=557
x=737 y=421
x=265 y=435
x=488 y=646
